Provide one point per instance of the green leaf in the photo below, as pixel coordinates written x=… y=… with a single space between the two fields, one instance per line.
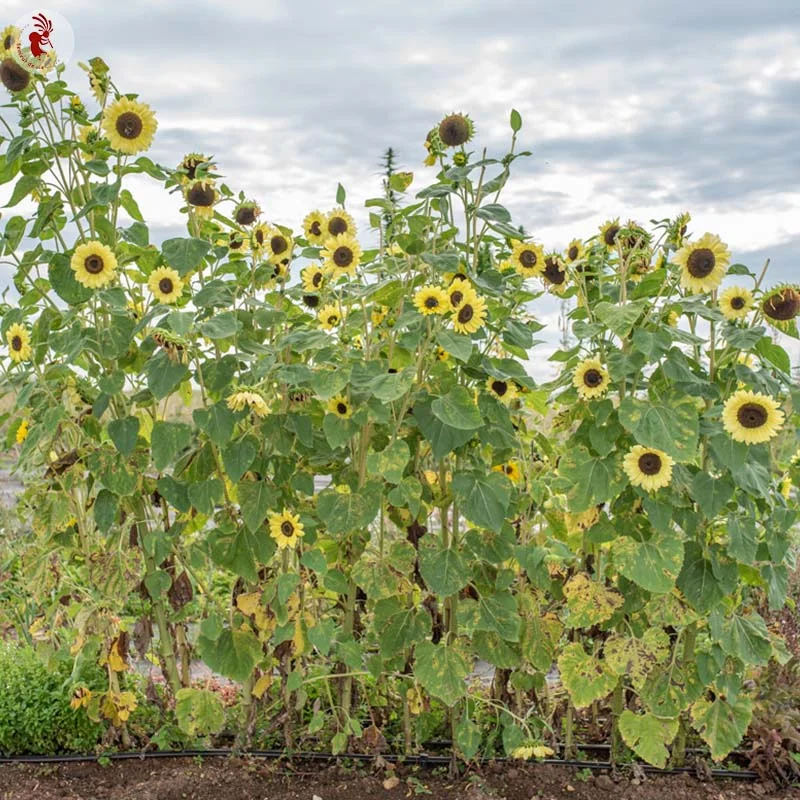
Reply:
x=343 y=513
x=340 y=194
x=183 y=254
x=444 y=571
x=620 y=319
x=199 y=712
x=499 y=613
x=443 y=438
x=221 y=326
x=653 y=564
x=668 y=424
x=255 y=500
x=585 y=678
x=216 y=422
x=747 y=639
x=697 y=580
x=399 y=628
x=468 y=738
x=456 y=344
x=742 y=539
x=442 y=671
x=648 y=736
x=458 y=409
x=24 y=186
x=711 y=493
x=516 y=120
x=234 y=655
x=123 y=433
x=589 y=480
x=237 y=458
x=62 y=279
x=163 y=375
x=722 y=725
x=390 y=463
x=167 y=442
x=204 y=495
x=105 y=510
x=483 y=498
x=775 y=354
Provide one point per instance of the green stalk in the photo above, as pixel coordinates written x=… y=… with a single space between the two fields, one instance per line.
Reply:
x=679 y=748
x=617 y=707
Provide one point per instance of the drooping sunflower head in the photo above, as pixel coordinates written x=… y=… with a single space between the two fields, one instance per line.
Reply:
x=609 y=231
x=703 y=263
x=314 y=227
x=166 y=285
x=781 y=305
x=431 y=300
x=129 y=126
x=736 y=303
x=285 y=528
x=94 y=265
x=19 y=343
x=510 y=469
x=329 y=317
x=505 y=391
x=528 y=259
x=575 y=251
x=459 y=290
x=677 y=229
x=342 y=254
x=201 y=196
x=14 y=76
x=9 y=37
x=195 y=166
x=340 y=406
x=313 y=278
x=455 y=130
x=470 y=315
x=246 y=212
x=590 y=379
x=554 y=275
x=647 y=467
x=311 y=300
x=338 y=222
x=248 y=397
x=751 y=417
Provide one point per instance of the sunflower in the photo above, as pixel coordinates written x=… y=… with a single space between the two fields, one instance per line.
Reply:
x=781 y=305
x=340 y=406
x=329 y=317
x=431 y=300
x=19 y=343
x=504 y=391
x=470 y=315
x=129 y=125
x=608 y=233
x=285 y=528
x=442 y=354
x=751 y=417
x=510 y=469
x=313 y=278
x=703 y=263
x=194 y=166
x=314 y=227
x=165 y=284
x=201 y=195
x=235 y=241
x=342 y=254
x=94 y=264
x=88 y=135
x=246 y=397
x=275 y=244
x=590 y=379
x=311 y=300
x=455 y=130
x=22 y=432
x=246 y=212
x=9 y=36
x=337 y=222
x=528 y=259
x=647 y=467
x=13 y=76
x=554 y=275
x=575 y=251
x=459 y=290
x=735 y=303
x=378 y=314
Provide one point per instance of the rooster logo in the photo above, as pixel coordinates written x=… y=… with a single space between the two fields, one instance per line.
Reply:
x=40 y=38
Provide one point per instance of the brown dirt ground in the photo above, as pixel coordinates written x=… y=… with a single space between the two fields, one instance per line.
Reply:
x=254 y=779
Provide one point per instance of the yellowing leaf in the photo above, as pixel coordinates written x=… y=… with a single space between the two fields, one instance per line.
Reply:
x=589 y=602
x=626 y=655
x=249 y=603
x=261 y=685
x=585 y=678
x=648 y=736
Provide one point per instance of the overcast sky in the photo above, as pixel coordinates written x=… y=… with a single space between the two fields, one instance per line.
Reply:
x=632 y=108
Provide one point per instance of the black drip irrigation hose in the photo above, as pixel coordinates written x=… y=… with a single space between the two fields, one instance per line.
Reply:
x=415 y=760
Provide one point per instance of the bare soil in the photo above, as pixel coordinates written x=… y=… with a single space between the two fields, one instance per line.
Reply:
x=255 y=779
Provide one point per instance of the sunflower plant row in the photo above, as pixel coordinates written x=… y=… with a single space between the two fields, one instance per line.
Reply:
x=314 y=456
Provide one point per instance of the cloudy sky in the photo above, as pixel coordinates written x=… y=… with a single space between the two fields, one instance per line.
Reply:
x=631 y=107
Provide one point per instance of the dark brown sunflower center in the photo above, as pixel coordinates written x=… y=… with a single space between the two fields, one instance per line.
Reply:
x=552 y=272
x=166 y=285
x=129 y=125
x=431 y=302
x=650 y=463
x=16 y=343
x=311 y=300
x=317 y=279
x=737 y=303
x=201 y=194
x=528 y=259
x=610 y=235
x=593 y=378
x=94 y=264
x=337 y=225
x=782 y=306
x=190 y=167
x=752 y=415
x=14 y=77
x=499 y=388
x=341 y=408
x=572 y=253
x=701 y=263
x=466 y=313
x=454 y=130
x=246 y=215
x=278 y=244
x=7 y=42
x=314 y=228
x=287 y=529
x=236 y=242
x=508 y=469
x=456 y=297
x=333 y=319
x=260 y=237
x=343 y=256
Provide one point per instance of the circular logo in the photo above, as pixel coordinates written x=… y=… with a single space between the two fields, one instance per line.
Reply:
x=43 y=38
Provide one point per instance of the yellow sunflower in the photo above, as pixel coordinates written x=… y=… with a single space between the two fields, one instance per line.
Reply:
x=285 y=528
x=94 y=264
x=459 y=290
x=575 y=251
x=194 y=166
x=510 y=469
x=201 y=196
x=274 y=243
x=165 y=284
x=246 y=212
x=431 y=300
x=751 y=417
x=314 y=227
x=129 y=126
x=313 y=278
x=590 y=379
x=22 y=432
x=470 y=315
x=19 y=343
x=528 y=259
x=340 y=406
x=329 y=316
x=248 y=398
x=378 y=314
x=442 y=354
x=338 y=222
x=647 y=467
x=554 y=274
x=735 y=303
x=609 y=231
x=503 y=390
x=781 y=305
x=9 y=36
x=703 y=263
x=235 y=241
x=342 y=254
x=88 y=135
